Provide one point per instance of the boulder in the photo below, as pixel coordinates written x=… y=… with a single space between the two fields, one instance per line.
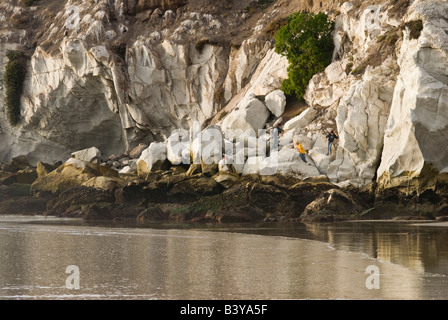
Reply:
x=153 y=158
x=253 y=165
x=227 y=179
x=269 y=198
x=26 y=176
x=333 y=205
x=276 y=102
x=286 y=139
x=152 y=214
x=8 y=178
x=302 y=120
x=250 y=114
x=306 y=142
x=226 y=164
x=287 y=162
x=23 y=206
x=20 y=162
x=304 y=192
x=126 y=169
x=98 y=211
x=193 y=189
x=7 y=168
x=44 y=168
x=178 y=147
x=208 y=146
x=71 y=174
x=104 y=183
x=321 y=160
x=75 y=197
x=88 y=154
x=136 y=152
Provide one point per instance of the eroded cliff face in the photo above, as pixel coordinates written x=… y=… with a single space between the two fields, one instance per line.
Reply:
x=386 y=91
x=355 y=92
x=112 y=74
x=417 y=128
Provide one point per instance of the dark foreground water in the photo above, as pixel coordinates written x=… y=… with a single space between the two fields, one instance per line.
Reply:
x=351 y=260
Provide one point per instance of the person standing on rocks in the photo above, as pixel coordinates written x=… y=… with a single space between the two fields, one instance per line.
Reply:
x=331 y=137
x=302 y=151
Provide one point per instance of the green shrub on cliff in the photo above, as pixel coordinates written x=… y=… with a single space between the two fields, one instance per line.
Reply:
x=28 y=3
x=13 y=78
x=415 y=28
x=306 y=41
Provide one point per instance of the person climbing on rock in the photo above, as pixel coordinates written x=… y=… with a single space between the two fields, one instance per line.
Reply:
x=330 y=137
x=302 y=151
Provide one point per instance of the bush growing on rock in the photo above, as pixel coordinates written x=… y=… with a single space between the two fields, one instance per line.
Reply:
x=13 y=78
x=306 y=41
x=415 y=28
x=28 y=3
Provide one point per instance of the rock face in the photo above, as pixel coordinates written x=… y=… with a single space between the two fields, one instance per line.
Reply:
x=117 y=74
x=418 y=122
x=135 y=69
x=384 y=95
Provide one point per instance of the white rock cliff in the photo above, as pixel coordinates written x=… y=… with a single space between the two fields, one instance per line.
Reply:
x=385 y=93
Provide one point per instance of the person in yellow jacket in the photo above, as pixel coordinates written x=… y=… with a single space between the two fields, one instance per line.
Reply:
x=301 y=150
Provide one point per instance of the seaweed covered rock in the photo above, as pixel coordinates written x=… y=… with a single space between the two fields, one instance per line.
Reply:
x=74 y=198
x=303 y=193
x=15 y=199
x=193 y=189
x=333 y=205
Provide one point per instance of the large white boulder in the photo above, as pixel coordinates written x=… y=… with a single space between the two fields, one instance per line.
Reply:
x=253 y=165
x=208 y=146
x=276 y=102
x=153 y=157
x=287 y=162
x=178 y=147
x=286 y=139
x=302 y=120
x=321 y=160
x=251 y=114
x=88 y=154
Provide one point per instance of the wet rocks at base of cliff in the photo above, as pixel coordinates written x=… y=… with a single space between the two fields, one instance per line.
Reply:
x=95 y=190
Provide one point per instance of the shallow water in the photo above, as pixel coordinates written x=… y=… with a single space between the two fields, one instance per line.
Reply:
x=244 y=261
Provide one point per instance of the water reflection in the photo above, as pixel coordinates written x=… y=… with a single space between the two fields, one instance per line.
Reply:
x=266 y=262
x=422 y=248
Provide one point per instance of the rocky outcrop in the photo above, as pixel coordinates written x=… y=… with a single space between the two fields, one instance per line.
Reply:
x=135 y=69
x=383 y=94
x=75 y=173
x=141 y=83
x=417 y=127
